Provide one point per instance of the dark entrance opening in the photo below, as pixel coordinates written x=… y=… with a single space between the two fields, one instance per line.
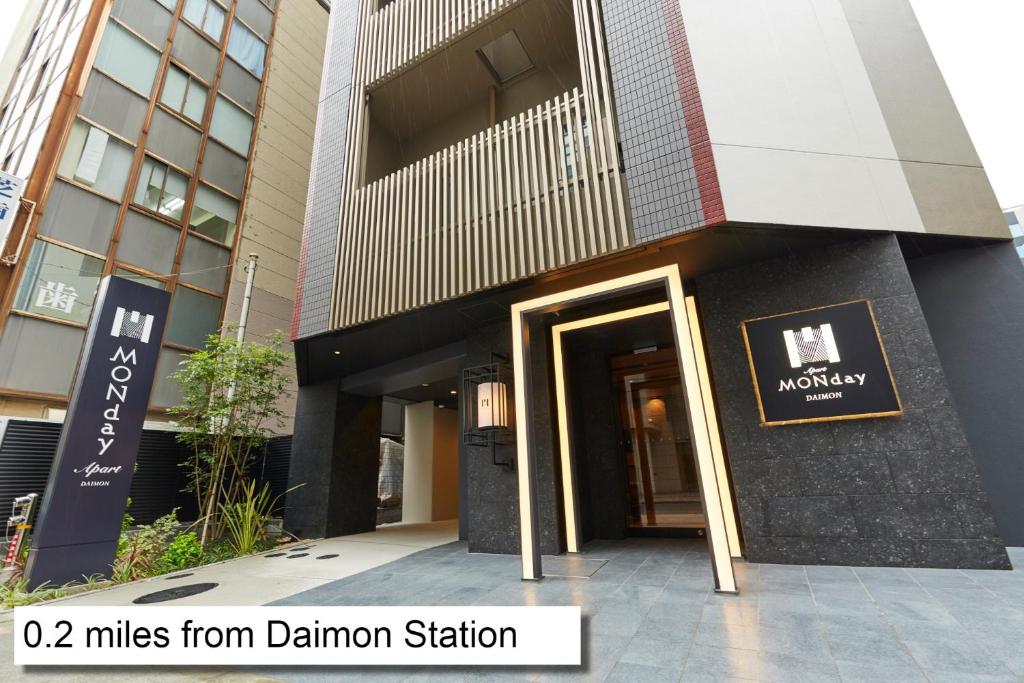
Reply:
x=635 y=467
x=661 y=476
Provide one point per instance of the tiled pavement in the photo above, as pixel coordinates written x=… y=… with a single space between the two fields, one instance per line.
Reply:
x=650 y=615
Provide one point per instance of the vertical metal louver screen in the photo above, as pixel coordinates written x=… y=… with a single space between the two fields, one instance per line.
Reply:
x=275 y=468
x=26 y=455
x=536 y=192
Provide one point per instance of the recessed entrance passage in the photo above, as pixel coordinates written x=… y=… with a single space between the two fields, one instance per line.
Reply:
x=709 y=486
x=661 y=474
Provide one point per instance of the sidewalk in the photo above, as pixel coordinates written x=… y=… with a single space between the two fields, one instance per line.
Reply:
x=259 y=579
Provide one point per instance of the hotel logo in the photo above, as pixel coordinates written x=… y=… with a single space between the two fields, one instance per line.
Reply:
x=811 y=345
x=131 y=324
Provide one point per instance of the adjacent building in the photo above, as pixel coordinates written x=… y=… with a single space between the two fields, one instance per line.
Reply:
x=1014 y=219
x=160 y=140
x=580 y=222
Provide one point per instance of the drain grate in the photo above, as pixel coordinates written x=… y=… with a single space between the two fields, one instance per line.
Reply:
x=305 y=547
x=327 y=557
x=276 y=555
x=174 y=593
x=178 y=576
x=292 y=557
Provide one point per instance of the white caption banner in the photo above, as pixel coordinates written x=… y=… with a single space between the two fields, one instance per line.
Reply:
x=188 y=636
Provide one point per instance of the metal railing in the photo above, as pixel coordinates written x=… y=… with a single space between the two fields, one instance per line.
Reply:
x=533 y=193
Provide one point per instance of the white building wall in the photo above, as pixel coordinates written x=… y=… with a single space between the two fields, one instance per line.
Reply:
x=811 y=121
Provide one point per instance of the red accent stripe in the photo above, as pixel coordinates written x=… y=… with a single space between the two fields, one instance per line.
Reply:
x=693 y=112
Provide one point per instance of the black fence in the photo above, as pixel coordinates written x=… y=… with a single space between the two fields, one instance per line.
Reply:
x=27 y=448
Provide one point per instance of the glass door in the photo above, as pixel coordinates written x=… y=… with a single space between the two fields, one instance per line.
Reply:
x=661 y=473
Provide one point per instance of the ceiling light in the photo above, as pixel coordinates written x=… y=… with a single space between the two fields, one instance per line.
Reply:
x=337 y=353
x=505 y=57
x=425 y=384
x=453 y=392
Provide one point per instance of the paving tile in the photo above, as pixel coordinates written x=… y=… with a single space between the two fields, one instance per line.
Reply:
x=625 y=672
x=876 y=671
x=869 y=648
x=731 y=610
x=956 y=677
x=766 y=666
x=800 y=642
x=948 y=649
x=663 y=654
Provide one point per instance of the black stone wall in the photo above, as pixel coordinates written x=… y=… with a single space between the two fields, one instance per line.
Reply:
x=335 y=458
x=600 y=465
x=890 y=491
x=490 y=494
x=973 y=299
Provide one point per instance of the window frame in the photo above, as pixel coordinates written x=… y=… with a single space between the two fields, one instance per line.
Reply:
x=266 y=48
x=190 y=77
x=169 y=168
x=218 y=40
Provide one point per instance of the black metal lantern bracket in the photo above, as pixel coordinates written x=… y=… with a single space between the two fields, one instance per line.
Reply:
x=497 y=425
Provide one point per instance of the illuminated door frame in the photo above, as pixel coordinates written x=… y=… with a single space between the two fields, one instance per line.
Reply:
x=569 y=488
x=670 y=278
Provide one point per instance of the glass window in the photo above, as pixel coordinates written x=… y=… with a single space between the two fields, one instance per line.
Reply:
x=194 y=316
x=141 y=279
x=184 y=94
x=195 y=53
x=205 y=15
x=214 y=214
x=127 y=58
x=255 y=14
x=205 y=264
x=96 y=159
x=247 y=49
x=166 y=392
x=144 y=16
x=59 y=283
x=173 y=140
x=231 y=125
x=223 y=167
x=169 y=4
x=23 y=367
x=113 y=106
x=240 y=85
x=78 y=217
x=161 y=189
x=148 y=243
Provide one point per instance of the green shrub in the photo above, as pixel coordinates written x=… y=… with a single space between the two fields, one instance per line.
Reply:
x=138 y=552
x=183 y=552
x=247 y=519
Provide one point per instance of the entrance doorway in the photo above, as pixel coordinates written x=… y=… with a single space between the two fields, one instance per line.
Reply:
x=662 y=486
x=709 y=462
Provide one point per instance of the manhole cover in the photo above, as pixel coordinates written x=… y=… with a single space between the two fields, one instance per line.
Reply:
x=177 y=576
x=327 y=557
x=292 y=557
x=174 y=593
x=276 y=555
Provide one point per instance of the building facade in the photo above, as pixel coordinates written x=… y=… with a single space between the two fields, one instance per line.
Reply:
x=160 y=140
x=596 y=201
x=1015 y=219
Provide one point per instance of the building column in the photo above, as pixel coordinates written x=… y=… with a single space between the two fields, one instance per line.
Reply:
x=334 y=462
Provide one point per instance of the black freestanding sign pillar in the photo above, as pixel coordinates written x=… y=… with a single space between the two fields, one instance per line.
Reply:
x=80 y=518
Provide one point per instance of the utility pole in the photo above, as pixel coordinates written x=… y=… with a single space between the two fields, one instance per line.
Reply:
x=249 y=279
x=243 y=317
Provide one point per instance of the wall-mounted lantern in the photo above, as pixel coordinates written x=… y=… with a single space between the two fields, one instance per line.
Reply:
x=487 y=414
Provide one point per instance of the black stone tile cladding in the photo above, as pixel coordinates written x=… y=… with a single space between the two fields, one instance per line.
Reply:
x=890 y=491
